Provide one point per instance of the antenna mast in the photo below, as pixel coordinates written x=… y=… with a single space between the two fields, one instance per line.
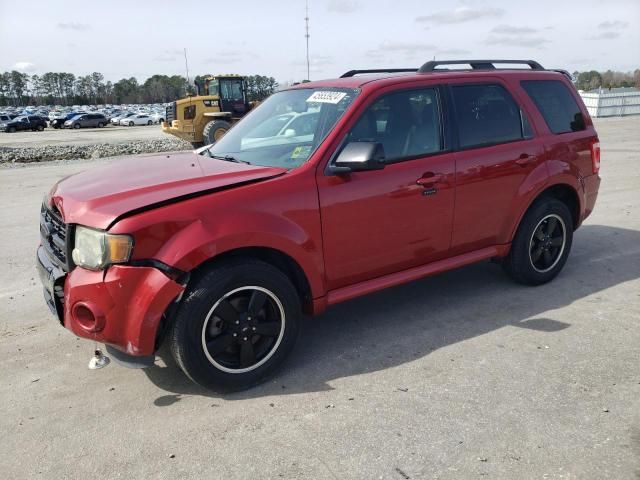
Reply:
x=306 y=20
x=186 y=65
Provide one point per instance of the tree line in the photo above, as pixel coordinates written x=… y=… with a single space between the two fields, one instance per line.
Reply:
x=62 y=88
x=593 y=79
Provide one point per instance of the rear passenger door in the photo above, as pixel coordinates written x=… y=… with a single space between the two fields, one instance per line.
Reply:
x=496 y=152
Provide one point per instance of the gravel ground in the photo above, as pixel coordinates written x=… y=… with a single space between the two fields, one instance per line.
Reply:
x=459 y=376
x=52 y=144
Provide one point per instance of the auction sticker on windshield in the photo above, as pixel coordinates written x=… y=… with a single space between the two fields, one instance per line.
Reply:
x=326 y=97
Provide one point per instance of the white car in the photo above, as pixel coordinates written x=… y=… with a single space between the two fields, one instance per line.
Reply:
x=116 y=120
x=157 y=117
x=137 y=119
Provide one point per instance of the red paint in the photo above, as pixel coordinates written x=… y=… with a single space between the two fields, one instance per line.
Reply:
x=351 y=234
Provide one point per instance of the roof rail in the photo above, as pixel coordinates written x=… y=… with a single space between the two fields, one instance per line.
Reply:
x=352 y=73
x=478 y=64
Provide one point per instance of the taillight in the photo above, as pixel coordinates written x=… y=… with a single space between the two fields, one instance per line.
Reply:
x=595 y=156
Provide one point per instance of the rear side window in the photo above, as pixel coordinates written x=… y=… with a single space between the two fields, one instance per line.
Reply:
x=556 y=104
x=406 y=123
x=487 y=115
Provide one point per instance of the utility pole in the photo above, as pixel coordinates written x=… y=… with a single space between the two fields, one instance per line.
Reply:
x=306 y=20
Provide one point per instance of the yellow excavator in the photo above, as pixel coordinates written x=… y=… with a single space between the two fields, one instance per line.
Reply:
x=220 y=101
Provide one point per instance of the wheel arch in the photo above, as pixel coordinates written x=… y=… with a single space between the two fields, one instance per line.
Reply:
x=564 y=192
x=277 y=258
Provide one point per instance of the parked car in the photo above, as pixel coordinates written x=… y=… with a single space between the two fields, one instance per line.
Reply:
x=59 y=120
x=87 y=120
x=25 y=122
x=157 y=117
x=4 y=118
x=116 y=120
x=137 y=119
x=218 y=252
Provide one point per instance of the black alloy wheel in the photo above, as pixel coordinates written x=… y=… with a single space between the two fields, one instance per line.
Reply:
x=547 y=243
x=243 y=329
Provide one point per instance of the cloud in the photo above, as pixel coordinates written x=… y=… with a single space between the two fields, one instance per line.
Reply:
x=452 y=51
x=315 y=61
x=231 y=56
x=513 y=30
x=515 y=41
x=24 y=67
x=460 y=15
x=612 y=24
x=343 y=6
x=408 y=50
x=79 y=27
x=608 y=35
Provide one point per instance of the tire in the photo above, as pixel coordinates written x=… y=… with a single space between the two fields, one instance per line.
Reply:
x=214 y=130
x=100 y=125
x=76 y=125
x=206 y=316
x=150 y=122
x=131 y=124
x=40 y=128
x=542 y=243
x=11 y=130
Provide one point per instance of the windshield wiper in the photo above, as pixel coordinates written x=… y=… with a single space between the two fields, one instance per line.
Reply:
x=228 y=158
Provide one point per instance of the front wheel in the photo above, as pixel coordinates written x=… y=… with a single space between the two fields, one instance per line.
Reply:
x=150 y=122
x=76 y=126
x=236 y=326
x=40 y=128
x=542 y=243
x=214 y=130
x=131 y=124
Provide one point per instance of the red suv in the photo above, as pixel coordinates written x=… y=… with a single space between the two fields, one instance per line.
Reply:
x=328 y=191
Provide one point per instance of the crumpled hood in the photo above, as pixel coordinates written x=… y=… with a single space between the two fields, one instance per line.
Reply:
x=99 y=196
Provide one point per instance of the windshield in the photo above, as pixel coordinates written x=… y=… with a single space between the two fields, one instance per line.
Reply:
x=286 y=128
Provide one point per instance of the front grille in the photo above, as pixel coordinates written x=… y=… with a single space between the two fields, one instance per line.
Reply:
x=170 y=113
x=55 y=236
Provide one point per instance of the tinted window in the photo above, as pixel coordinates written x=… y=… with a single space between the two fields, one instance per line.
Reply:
x=556 y=104
x=486 y=115
x=407 y=124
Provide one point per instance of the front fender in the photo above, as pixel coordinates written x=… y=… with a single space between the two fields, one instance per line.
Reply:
x=199 y=241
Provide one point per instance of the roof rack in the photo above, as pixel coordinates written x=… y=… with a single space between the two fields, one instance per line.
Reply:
x=352 y=73
x=478 y=64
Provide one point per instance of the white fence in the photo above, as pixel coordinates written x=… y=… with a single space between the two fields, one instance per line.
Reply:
x=612 y=104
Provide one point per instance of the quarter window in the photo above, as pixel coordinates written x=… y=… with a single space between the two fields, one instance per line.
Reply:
x=406 y=123
x=556 y=104
x=487 y=115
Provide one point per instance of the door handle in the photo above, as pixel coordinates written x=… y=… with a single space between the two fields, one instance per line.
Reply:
x=525 y=159
x=428 y=179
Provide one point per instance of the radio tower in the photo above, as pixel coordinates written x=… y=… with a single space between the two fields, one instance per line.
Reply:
x=306 y=20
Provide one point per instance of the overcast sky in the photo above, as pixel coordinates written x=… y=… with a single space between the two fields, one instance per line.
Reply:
x=139 y=38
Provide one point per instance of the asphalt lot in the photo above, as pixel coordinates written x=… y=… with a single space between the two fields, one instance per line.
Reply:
x=463 y=375
x=82 y=136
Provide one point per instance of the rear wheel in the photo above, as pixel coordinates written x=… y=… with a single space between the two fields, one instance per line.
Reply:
x=237 y=324
x=542 y=243
x=100 y=125
x=214 y=130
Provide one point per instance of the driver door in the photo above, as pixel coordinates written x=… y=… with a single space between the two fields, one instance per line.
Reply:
x=380 y=222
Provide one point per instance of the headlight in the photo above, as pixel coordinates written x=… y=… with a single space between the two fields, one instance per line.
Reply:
x=95 y=249
x=3 y=124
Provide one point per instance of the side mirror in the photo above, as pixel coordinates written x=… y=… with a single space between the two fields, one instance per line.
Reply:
x=289 y=132
x=359 y=157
